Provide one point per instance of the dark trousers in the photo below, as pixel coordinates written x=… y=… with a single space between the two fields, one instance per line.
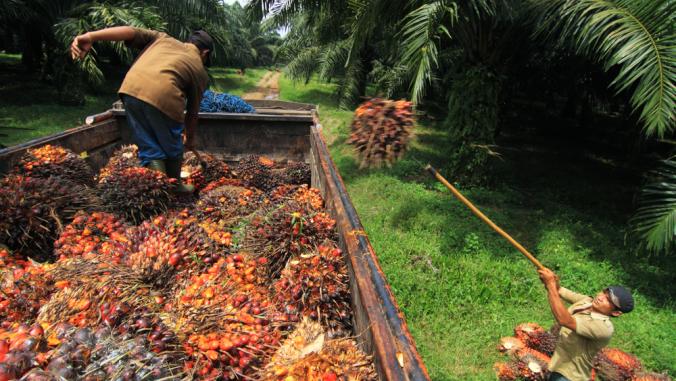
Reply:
x=557 y=377
x=157 y=136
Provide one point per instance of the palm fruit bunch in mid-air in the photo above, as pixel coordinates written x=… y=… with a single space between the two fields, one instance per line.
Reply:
x=34 y=209
x=92 y=235
x=136 y=193
x=308 y=355
x=125 y=157
x=315 y=285
x=56 y=161
x=613 y=364
x=381 y=131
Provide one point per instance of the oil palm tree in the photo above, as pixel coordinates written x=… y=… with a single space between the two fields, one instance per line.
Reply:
x=654 y=223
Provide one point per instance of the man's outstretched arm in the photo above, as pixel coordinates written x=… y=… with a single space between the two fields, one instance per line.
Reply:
x=559 y=310
x=83 y=43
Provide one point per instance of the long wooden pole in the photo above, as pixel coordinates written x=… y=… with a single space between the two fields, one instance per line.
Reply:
x=483 y=217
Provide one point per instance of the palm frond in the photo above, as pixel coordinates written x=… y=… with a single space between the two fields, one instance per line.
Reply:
x=637 y=36
x=304 y=64
x=350 y=87
x=421 y=32
x=332 y=60
x=654 y=222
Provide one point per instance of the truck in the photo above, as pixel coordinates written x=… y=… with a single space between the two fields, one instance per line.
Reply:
x=280 y=131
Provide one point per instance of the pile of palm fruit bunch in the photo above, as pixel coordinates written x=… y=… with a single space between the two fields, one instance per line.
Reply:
x=381 y=131
x=43 y=192
x=531 y=348
x=223 y=287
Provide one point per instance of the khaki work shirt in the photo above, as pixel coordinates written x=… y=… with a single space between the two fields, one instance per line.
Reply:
x=575 y=350
x=168 y=74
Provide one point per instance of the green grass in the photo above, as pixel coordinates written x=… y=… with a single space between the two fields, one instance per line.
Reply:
x=29 y=107
x=460 y=285
x=227 y=80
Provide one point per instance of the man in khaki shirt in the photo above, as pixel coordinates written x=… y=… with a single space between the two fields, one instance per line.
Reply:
x=585 y=326
x=167 y=78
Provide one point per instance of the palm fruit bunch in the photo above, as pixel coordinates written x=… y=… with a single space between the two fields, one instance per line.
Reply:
x=532 y=368
x=226 y=204
x=510 y=345
x=256 y=171
x=55 y=161
x=381 y=131
x=531 y=349
x=92 y=235
x=228 y=320
x=123 y=158
x=201 y=173
x=315 y=285
x=613 y=364
x=286 y=229
x=24 y=286
x=307 y=355
x=136 y=193
x=102 y=354
x=85 y=287
x=537 y=338
x=35 y=209
x=309 y=197
x=21 y=349
x=650 y=376
x=506 y=371
x=168 y=244
x=297 y=173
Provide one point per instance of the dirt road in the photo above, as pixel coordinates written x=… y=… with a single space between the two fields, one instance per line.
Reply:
x=267 y=87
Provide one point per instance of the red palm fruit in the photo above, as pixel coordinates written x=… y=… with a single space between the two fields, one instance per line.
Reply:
x=542 y=341
x=137 y=193
x=56 y=161
x=533 y=352
x=613 y=364
x=532 y=368
x=505 y=371
x=650 y=376
x=123 y=158
x=524 y=331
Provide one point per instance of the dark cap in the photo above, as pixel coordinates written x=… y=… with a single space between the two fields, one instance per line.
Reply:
x=203 y=41
x=621 y=298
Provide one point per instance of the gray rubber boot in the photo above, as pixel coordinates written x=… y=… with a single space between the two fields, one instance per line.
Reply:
x=157 y=165
x=174 y=172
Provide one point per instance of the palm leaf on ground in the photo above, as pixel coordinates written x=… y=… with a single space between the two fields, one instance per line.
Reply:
x=655 y=219
x=637 y=36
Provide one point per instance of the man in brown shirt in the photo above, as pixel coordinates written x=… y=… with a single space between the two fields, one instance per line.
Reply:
x=167 y=78
x=585 y=326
